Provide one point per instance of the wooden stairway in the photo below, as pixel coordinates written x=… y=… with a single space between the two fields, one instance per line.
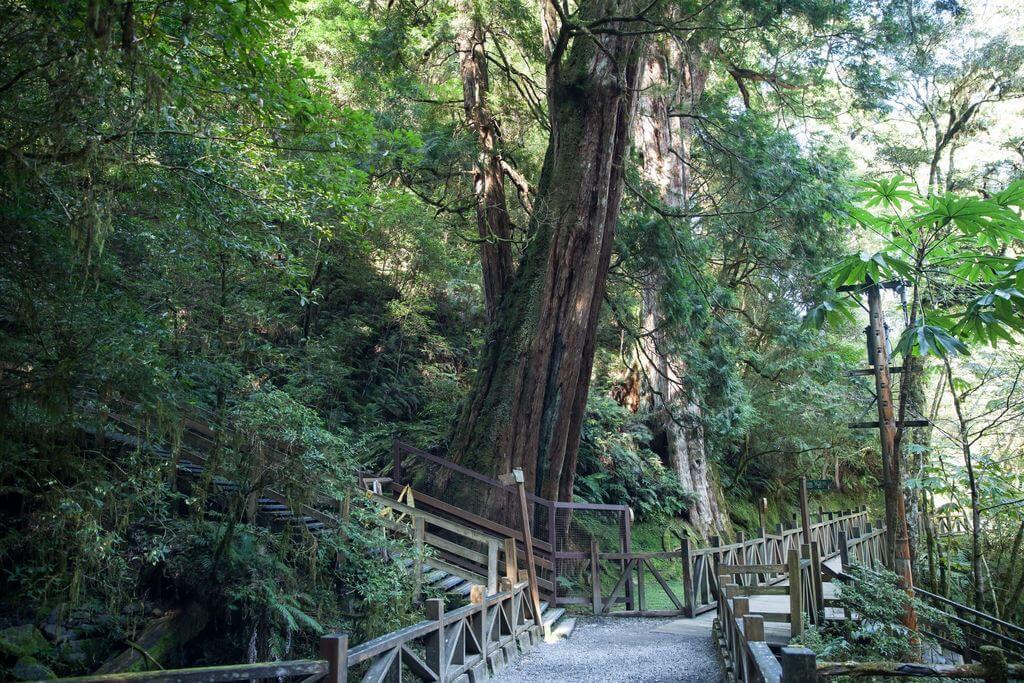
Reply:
x=452 y=571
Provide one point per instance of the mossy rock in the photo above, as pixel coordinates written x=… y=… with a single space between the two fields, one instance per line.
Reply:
x=81 y=654
x=31 y=669
x=21 y=641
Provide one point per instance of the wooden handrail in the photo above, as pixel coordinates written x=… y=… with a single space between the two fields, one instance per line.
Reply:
x=440 y=522
x=214 y=674
x=455 y=467
x=968 y=610
x=471 y=518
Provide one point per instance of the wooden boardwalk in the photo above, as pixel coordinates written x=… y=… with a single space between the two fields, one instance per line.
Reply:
x=775 y=633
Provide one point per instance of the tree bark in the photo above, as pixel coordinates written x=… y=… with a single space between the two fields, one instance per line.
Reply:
x=492 y=219
x=978 y=578
x=895 y=503
x=527 y=404
x=663 y=143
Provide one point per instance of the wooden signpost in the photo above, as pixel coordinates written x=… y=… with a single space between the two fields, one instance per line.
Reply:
x=516 y=478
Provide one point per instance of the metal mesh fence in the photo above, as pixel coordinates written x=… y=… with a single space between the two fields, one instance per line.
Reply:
x=577 y=527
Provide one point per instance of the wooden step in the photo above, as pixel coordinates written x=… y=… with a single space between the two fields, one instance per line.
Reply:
x=463 y=589
x=434 y=575
x=450 y=582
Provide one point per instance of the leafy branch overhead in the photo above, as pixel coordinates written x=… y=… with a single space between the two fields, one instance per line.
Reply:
x=957 y=254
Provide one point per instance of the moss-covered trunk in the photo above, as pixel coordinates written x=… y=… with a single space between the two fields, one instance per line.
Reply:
x=526 y=407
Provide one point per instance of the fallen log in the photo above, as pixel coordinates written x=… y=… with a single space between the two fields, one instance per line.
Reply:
x=160 y=640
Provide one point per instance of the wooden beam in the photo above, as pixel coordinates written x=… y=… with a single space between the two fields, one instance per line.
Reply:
x=874 y=425
x=531 y=568
x=893 y=370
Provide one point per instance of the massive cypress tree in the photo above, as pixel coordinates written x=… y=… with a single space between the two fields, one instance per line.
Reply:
x=526 y=407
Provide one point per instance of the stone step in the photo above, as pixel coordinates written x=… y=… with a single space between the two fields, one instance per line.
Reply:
x=551 y=616
x=563 y=629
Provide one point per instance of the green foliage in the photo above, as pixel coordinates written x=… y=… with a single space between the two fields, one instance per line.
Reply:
x=952 y=250
x=615 y=465
x=877 y=633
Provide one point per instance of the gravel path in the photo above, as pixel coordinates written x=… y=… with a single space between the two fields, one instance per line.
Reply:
x=624 y=649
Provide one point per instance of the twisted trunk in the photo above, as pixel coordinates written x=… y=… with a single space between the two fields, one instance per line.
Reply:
x=663 y=142
x=527 y=404
x=493 y=224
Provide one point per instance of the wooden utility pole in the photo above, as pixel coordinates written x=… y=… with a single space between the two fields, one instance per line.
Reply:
x=898 y=546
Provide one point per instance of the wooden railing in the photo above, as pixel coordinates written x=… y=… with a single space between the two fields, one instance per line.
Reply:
x=976 y=629
x=453 y=543
x=695 y=588
x=740 y=630
x=740 y=638
x=471 y=642
x=550 y=519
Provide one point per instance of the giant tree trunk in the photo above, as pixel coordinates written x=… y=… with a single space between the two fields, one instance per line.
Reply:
x=492 y=219
x=672 y=78
x=527 y=404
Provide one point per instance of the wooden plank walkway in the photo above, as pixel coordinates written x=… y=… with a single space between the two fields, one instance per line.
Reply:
x=775 y=633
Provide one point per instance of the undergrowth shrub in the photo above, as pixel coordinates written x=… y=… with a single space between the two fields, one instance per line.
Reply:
x=877 y=603
x=616 y=465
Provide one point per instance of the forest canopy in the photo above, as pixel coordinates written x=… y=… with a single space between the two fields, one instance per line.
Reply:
x=618 y=245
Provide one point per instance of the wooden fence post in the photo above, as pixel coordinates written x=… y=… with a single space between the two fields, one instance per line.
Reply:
x=714 y=558
x=819 y=588
x=334 y=648
x=477 y=597
x=805 y=554
x=517 y=479
x=628 y=541
x=740 y=609
x=552 y=541
x=844 y=550
x=511 y=560
x=753 y=631
x=799 y=665
x=492 y=567
x=740 y=606
x=796 y=624
x=419 y=536
x=396 y=462
x=435 y=651
x=688 y=593
x=805 y=515
x=595 y=575
x=753 y=627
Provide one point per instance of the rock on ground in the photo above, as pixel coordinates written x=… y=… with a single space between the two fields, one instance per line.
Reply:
x=619 y=649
